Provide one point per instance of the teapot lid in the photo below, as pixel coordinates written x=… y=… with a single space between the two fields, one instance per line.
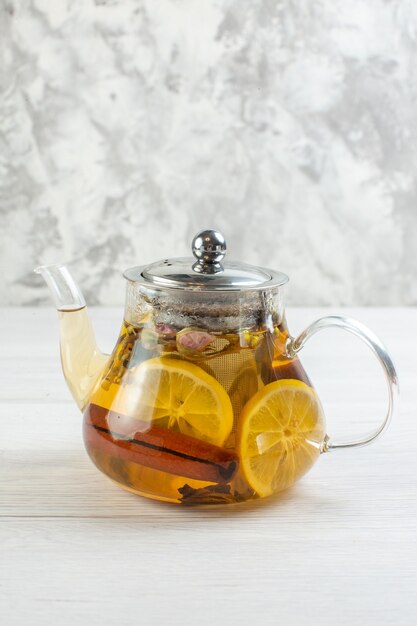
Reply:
x=205 y=272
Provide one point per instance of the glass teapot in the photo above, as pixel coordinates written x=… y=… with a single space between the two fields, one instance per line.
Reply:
x=203 y=399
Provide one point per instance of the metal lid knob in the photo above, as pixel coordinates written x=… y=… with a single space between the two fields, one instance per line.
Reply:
x=209 y=248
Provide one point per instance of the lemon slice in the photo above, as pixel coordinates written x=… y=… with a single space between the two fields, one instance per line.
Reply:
x=181 y=396
x=280 y=432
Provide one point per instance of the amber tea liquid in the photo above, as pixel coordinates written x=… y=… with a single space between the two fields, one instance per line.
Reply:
x=152 y=456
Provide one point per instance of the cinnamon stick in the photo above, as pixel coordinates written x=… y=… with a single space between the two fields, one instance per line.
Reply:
x=159 y=448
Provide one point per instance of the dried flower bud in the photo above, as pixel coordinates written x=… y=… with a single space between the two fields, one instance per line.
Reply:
x=248 y=339
x=190 y=340
x=167 y=331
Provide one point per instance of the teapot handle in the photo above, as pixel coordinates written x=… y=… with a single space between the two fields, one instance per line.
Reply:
x=372 y=341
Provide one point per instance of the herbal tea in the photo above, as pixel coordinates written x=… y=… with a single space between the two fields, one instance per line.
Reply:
x=192 y=416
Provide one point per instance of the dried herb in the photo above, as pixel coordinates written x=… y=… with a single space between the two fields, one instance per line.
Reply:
x=214 y=494
x=120 y=357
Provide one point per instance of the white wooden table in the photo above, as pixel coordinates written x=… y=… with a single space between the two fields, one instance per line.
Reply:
x=339 y=548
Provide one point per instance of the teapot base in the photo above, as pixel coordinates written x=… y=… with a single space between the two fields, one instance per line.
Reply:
x=161 y=486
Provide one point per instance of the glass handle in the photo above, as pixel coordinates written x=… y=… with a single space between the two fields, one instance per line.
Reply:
x=372 y=341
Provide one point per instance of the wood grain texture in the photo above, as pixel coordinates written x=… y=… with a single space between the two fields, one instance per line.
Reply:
x=340 y=547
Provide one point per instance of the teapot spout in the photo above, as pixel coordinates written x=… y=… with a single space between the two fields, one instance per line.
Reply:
x=82 y=361
x=65 y=292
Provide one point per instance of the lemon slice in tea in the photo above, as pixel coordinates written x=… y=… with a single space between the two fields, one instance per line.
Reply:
x=279 y=435
x=181 y=396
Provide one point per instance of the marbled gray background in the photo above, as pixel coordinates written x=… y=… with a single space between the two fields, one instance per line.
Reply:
x=126 y=126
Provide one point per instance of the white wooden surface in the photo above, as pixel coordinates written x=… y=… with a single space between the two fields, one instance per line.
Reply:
x=339 y=548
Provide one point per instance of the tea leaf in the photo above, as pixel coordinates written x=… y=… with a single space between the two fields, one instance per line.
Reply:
x=215 y=494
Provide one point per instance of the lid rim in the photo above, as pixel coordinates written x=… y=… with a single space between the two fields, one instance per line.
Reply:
x=136 y=275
